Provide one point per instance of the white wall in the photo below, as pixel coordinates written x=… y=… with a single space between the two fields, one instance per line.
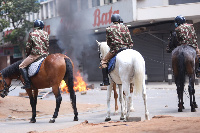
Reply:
x=150 y=3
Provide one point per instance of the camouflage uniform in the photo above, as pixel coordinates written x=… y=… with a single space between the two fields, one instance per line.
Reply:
x=186 y=35
x=37 y=45
x=118 y=36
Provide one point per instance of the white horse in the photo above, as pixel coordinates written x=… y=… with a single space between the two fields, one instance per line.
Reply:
x=129 y=68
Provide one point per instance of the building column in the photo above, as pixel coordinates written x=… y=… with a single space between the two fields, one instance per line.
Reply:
x=134 y=3
x=89 y=3
x=40 y=14
x=101 y=2
x=44 y=11
x=54 y=8
x=49 y=10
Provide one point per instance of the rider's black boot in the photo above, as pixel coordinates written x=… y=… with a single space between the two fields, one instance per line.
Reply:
x=24 y=73
x=105 y=77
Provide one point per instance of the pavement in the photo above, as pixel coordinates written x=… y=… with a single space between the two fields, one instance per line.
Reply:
x=161 y=100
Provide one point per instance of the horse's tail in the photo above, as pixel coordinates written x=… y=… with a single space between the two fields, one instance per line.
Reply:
x=181 y=66
x=139 y=76
x=69 y=79
x=70 y=83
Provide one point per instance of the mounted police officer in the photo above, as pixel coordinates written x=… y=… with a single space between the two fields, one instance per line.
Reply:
x=37 y=45
x=186 y=35
x=118 y=37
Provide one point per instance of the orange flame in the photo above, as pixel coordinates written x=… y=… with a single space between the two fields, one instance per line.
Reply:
x=79 y=84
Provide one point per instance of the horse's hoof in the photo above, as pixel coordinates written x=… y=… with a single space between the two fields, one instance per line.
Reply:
x=193 y=110
x=75 y=118
x=52 y=121
x=107 y=119
x=183 y=107
x=122 y=118
x=32 y=121
x=195 y=105
x=180 y=110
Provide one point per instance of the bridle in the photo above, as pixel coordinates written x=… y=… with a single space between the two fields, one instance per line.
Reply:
x=5 y=89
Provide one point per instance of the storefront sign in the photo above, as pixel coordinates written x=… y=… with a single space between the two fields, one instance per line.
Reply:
x=103 y=18
x=92 y=18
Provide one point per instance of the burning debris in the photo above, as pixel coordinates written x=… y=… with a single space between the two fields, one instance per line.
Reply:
x=79 y=84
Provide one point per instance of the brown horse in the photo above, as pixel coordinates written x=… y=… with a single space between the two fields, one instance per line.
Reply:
x=183 y=63
x=54 y=68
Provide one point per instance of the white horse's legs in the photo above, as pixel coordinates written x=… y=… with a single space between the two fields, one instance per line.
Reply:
x=131 y=106
x=109 y=89
x=145 y=101
x=121 y=100
x=128 y=105
x=126 y=89
x=131 y=91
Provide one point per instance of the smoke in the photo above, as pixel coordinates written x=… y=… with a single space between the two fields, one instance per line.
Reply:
x=72 y=38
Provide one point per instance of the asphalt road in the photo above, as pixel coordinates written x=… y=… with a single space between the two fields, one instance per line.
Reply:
x=162 y=100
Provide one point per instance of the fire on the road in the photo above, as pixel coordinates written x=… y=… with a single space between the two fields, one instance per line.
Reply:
x=79 y=84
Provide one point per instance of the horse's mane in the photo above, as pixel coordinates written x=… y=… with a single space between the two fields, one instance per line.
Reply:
x=104 y=48
x=11 y=70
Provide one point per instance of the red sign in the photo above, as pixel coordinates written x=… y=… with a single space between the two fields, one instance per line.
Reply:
x=104 y=18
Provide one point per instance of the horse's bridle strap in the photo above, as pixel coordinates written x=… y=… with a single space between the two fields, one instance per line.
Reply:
x=6 y=87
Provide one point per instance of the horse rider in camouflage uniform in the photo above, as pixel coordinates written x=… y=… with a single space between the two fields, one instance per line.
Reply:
x=118 y=37
x=37 y=45
x=186 y=35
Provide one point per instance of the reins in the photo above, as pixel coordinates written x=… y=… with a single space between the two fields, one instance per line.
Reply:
x=15 y=86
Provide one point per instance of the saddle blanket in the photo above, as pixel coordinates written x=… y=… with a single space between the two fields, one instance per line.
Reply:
x=34 y=68
x=111 y=64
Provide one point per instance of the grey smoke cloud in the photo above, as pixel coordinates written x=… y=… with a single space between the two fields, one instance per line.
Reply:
x=72 y=39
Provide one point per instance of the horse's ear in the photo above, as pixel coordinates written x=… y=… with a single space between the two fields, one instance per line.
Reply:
x=98 y=42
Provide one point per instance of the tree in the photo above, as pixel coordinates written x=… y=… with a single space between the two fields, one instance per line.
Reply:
x=14 y=12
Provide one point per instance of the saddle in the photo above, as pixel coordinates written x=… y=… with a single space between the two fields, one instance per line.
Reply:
x=111 y=63
x=34 y=67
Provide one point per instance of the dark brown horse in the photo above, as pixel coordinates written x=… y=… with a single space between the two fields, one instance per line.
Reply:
x=54 y=69
x=183 y=63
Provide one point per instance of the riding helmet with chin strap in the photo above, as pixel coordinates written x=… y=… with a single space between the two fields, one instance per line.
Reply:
x=179 y=20
x=115 y=18
x=39 y=23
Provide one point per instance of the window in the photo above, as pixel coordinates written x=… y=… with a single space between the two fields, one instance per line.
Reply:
x=107 y=1
x=95 y=3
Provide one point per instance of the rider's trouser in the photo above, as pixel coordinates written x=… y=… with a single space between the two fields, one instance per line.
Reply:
x=28 y=60
x=23 y=70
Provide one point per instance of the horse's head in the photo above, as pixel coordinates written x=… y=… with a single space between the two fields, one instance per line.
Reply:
x=103 y=49
x=4 y=89
x=173 y=42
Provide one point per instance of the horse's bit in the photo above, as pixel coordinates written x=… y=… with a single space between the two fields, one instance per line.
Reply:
x=5 y=89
